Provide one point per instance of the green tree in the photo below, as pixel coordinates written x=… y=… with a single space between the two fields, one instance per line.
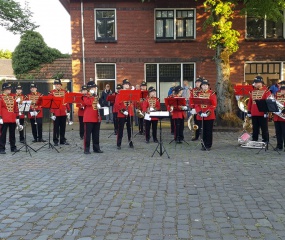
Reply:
x=15 y=18
x=224 y=40
x=31 y=52
x=5 y=54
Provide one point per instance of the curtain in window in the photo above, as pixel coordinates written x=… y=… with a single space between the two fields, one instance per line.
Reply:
x=189 y=28
x=169 y=28
x=159 y=28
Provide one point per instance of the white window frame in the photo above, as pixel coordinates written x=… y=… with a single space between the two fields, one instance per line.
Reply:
x=174 y=23
x=95 y=22
x=107 y=79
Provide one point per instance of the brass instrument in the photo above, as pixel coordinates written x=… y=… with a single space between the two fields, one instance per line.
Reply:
x=242 y=104
x=191 y=125
x=19 y=127
x=247 y=124
x=279 y=105
x=139 y=113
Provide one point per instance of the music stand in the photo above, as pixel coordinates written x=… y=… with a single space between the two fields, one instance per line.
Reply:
x=25 y=108
x=160 y=116
x=175 y=103
x=111 y=98
x=266 y=106
x=50 y=102
x=202 y=101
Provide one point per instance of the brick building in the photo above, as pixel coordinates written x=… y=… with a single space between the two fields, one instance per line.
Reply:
x=163 y=41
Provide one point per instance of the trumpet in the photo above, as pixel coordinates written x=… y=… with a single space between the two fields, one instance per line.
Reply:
x=19 y=127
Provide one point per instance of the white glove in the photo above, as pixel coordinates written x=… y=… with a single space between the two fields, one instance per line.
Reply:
x=18 y=100
x=1 y=121
x=203 y=115
x=184 y=108
x=126 y=113
x=53 y=118
x=133 y=88
x=151 y=109
x=265 y=115
x=92 y=91
x=193 y=111
x=18 y=121
x=249 y=115
x=98 y=105
x=68 y=115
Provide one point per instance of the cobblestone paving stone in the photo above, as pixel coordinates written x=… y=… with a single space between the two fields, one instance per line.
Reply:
x=226 y=193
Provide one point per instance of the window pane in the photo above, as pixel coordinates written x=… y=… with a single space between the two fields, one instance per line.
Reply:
x=184 y=14
x=99 y=14
x=188 y=72
x=179 y=28
x=252 y=68
x=170 y=72
x=170 y=14
x=111 y=28
x=105 y=71
x=158 y=13
x=108 y=14
x=164 y=14
x=274 y=29
x=100 y=29
x=178 y=14
x=159 y=28
x=255 y=28
x=169 y=28
x=190 y=14
x=189 y=28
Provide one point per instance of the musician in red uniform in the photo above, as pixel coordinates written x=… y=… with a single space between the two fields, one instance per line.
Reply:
x=19 y=97
x=151 y=104
x=59 y=116
x=194 y=94
x=91 y=119
x=9 y=118
x=125 y=115
x=36 y=113
x=178 y=116
x=279 y=118
x=115 y=109
x=139 y=107
x=206 y=114
x=81 y=113
x=259 y=119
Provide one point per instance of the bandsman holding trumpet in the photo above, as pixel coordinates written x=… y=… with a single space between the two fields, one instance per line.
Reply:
x=151 y=104
x=259 y=119
x=9 y=118
x=19 y=97
x=206 y=114
x=36 y=113
x=91 y=119
x=60 y=115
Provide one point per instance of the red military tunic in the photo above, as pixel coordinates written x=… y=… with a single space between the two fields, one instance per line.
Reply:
x=257 y=94
x=152 y=102
x=125 y=106
x=80 y=109
x=64 y=107
x=280 y=98
x=194 y=94
x=204 y=108
x=177 y=110
x=34 y=97
x=115 y=106
x=91 y=111
x=9 y=110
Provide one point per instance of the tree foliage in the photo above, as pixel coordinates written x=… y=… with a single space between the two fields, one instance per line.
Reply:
x=31 y=52
x=5 y=54
x=15 y=18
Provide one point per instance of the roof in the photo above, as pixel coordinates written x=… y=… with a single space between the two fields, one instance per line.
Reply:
x=6 y=70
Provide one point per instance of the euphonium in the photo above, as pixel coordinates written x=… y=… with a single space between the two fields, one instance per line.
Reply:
x=192 y=127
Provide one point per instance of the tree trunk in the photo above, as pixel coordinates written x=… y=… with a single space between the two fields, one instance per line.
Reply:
x=224 y=87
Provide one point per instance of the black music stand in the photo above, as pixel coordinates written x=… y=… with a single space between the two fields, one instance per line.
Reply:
x=25 y=108
x=202 y=101
x=175 y=103
x=160 y=116
x=267 y=106
x=50 y=102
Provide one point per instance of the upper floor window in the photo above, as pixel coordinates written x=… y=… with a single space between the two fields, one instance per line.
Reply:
x=261 y=28
x=175 y=24
x=105 y=22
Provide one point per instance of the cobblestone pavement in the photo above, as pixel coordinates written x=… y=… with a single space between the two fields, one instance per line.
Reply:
x=226 y=193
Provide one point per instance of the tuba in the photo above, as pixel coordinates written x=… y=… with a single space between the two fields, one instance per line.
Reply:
x=242 y=104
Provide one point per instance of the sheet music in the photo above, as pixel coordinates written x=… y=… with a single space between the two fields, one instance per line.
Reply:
x=147 y=117
x=25 y=106
x=159 y=114
x=106 y=110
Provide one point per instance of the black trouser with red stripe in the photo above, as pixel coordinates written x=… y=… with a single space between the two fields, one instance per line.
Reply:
x=81 y=126
x=3 y=135
x=178 y=129
x=59 y=126
x=91 y=130
x=121 y=124
x=207 y=132
x=37 y=129
x=115 y=121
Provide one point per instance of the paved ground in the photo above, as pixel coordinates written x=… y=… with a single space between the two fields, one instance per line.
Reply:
x=227 y=193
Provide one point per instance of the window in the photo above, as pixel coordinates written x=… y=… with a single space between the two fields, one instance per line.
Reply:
x=162 y=76
x=260 y=28
x=175 y=24
x=105 y=74
x=105 y=22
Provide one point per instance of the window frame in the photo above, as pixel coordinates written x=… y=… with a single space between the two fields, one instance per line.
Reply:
x=95 y=24
x=175 y=38
x=106 y=79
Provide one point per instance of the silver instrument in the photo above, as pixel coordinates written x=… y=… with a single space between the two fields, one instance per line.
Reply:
x=279 y=105
x=19 y=127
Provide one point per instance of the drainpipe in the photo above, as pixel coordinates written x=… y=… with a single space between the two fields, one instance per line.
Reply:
x=83 y=42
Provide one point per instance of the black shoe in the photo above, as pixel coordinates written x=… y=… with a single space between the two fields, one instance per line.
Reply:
x=131 y=144
x=64 y=143
x=15 y=150
x=81 y=138
x=55 y=144
x=22 y=141
x=140 y=133
x=87 y=152
x=98 y=151
x=115 y=133
x=35 y=140
x=146 y=141
x=41 y=140
x=119 y=147
x=194 y=139
x=156 y=141
x=2 y=152
x=277 y=149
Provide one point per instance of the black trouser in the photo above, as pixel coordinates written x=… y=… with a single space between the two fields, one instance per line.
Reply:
x=141 y=123
x=81 y=126
x=207 y=132
x=152 y=123
x=91 y=130
x=21 y=133
x=37 y=129
x=3 y=134
x=121 y=124
x=257 y=123
x=59 y=126
x=280 y=133
x=115 y=121
x=178 y=129
x=172 y=124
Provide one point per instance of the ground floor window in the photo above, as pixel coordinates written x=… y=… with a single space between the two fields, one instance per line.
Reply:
x=163 y=75
x=105 y=74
